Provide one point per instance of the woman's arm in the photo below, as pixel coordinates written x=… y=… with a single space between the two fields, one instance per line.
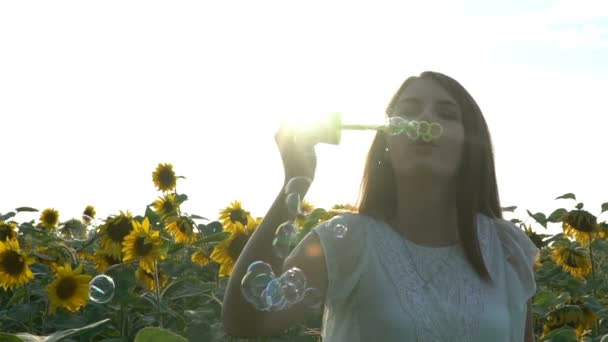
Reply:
x=239 y=317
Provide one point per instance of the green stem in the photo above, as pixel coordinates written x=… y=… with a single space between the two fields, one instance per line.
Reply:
x=157 y=291
x=593 y=287
x=361 y=127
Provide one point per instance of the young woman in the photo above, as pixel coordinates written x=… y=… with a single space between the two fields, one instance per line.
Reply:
x=427 y=257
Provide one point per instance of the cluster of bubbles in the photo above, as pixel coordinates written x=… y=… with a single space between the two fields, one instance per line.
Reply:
x=260 y=286
x=77 y=230
x=101 y=289
x=414 y=129
x=267 y=292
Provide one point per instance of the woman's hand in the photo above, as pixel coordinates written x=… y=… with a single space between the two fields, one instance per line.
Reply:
x=297 y=153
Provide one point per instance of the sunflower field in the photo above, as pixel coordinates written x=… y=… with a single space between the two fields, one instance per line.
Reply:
x=161 y=275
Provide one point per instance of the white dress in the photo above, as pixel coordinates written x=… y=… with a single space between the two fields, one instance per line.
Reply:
x=375 y=294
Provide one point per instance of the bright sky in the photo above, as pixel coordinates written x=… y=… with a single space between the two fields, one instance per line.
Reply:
x=93 y=95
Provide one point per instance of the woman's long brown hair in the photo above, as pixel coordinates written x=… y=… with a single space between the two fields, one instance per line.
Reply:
x=477 y=191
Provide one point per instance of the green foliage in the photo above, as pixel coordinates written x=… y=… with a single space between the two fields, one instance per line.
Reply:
x=152 y=334
x=188 y=304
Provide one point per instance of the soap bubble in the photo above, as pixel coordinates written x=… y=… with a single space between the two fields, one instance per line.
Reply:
x=285 y=239
x=273 y=295
x=413 y=130
x=101 y=289
x=436 y=130
x=293 y=285
x=259 y=267
x=253 y=285
x=395 y=125
x=340 y=230
x=298 y=185
x=313 y=298
x=294 y=203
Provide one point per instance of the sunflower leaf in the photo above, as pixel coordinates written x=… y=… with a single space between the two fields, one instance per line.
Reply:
x=153 y=334
x=181 y=198
x=579 y=206
x=198 y=217
x=217 y=237
x=61 y=334
x=20 y=209
x=568 y=196
x=10 y=337
x=509 y=209
x=539 y=217
x=604 y=207
x=557 y=215
x=210 y=228
x=7 y=216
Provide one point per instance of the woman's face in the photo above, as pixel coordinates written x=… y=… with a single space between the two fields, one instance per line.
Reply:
x=427 y=100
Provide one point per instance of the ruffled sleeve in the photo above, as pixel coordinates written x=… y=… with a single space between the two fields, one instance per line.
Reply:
x=343 y=239
x=520 y=253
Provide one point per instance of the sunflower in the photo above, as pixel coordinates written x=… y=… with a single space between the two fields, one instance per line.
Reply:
x=53 y=255
x=142 y=244
x=14 y=270
x=580 y=225
x=164 y=178
x=88 y=214
x=227 y=251
x=7 y=231
x=537 y=239
x=575 y=260
x=69 y=290
x=602 y=230
x=234 y=216
x=146 y=279
x=200 y=258
x=102 y=260
x=338 y=209
x=49 y=218
x=166 y=206
x=181 y=228
x=114 y=231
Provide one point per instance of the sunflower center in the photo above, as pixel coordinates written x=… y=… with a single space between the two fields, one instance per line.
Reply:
x=237 y=245
x=66 y=288
x=111 y=260
x=141 y=247
x=12 y=262
x=50 y=218
x=238 y=215
x=118 y=231
x=5 y=233
x=184 y=227
x=571 y=261
x=168 y=206
x=166 y=177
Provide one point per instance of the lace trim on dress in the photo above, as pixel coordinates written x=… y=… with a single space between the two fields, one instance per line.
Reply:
x=427 y=308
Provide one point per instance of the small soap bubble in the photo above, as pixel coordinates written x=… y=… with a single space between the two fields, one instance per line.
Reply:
x=259 y=267
x=298 y=185
x=395 y=125
x=412 y=130
x=340 y=230
x=293 y=284
x=436 y=130
x=101 y=289
x=313 y=298
x=253 y=285
x=294 y=203
x=285 y=239
x=273 y=295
